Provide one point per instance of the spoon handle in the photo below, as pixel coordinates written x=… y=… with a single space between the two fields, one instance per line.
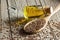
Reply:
x=57 y=9
x=52 y=13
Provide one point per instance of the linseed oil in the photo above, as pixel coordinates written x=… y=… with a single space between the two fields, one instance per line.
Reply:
x=32 y=12
x=35 y=12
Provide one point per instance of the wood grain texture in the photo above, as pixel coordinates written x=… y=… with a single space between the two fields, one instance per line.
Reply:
x=49 y=33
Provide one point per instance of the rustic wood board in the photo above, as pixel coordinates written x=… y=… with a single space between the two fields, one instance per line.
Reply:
x=48 y=33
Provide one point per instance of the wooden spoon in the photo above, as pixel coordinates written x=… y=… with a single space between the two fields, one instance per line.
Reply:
x=30 y=26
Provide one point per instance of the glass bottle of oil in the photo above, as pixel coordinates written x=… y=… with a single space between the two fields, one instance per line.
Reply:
x=35 y=12
x=32 y=12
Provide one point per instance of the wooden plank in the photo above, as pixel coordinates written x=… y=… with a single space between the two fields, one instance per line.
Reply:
x=52 y=3
x=16 y=34
x=0 y=17
x=4 y=10
x=5 y=35
x=15 y=30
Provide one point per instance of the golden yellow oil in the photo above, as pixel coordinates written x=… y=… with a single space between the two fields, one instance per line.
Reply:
x=23 y=21
x=33 y=11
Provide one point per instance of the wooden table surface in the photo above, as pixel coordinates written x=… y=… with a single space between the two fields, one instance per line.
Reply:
x=48 y=33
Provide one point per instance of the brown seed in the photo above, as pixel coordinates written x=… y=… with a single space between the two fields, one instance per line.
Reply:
x=34 y=25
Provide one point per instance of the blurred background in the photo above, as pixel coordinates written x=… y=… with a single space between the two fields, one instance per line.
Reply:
x=16 y=11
